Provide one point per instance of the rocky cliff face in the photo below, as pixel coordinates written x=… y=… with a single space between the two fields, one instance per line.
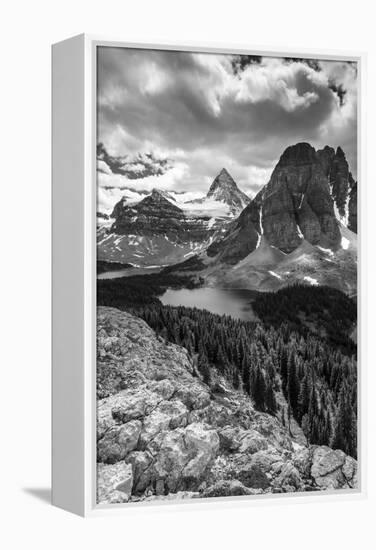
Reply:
x=353 y=206
x=308 y=194
x=163 y=433
x=342 y=185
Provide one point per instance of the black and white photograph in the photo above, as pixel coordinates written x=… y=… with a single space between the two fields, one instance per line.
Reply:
x=226 y=238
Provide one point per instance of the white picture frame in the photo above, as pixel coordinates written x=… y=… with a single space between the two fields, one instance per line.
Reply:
x=74 y=278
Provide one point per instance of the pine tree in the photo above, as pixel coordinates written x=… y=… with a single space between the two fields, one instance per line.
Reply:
x=270 y=400
x=292 y=383
x=304 y=396
x=259 y=390
x=246 y=374
x=344 y=436
x=283 y=368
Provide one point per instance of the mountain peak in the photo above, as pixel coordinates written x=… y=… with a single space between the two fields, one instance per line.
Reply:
x=160 y=193
x=298 y=154
x=224 y=172
x=340 y=153
x=223 y=179
x=224 y=189
x=156 y=192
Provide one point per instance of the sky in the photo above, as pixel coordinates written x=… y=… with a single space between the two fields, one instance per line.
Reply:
x=173 y=120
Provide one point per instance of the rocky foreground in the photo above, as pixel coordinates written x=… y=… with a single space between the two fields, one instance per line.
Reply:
x=163 y=433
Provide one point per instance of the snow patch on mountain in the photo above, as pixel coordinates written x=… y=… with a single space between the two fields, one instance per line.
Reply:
x=326 y=250
x=311 y=280
x=345 y=243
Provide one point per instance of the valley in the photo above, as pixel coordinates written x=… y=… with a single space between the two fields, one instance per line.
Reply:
x=301 y=227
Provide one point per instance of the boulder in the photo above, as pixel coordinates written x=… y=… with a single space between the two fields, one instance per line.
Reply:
x=251 y=442
x=183 y=456
x=153 y=424
x=114 y=483
x=289 y=479
x=229 y=439
x=165 y=388
x=141 y=463
x=326 y=468
x=350 y=470
x=118 y=441
x=176 y=411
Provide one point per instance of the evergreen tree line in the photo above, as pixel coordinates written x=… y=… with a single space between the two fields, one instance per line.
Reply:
x=324 y=310
x=317 y=378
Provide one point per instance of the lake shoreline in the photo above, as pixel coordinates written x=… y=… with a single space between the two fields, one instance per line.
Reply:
x=221 y=301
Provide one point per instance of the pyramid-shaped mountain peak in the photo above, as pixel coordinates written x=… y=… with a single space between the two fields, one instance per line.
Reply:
x=223 y=180
x=224 y=189
x=224 y=172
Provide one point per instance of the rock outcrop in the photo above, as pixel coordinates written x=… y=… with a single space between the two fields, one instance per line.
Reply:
x=163 y=433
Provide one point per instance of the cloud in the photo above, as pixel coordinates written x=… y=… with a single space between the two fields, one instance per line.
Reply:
x=202 y=112
x=133 y=167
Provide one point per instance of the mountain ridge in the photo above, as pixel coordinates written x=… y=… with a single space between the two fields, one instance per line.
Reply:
x=297 y=203
x=297 y=227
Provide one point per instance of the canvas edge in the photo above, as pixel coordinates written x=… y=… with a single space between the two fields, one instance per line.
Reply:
x=67 y=202
x=91 y=508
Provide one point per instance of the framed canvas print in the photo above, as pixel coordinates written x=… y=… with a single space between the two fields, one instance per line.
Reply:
x=206 y=233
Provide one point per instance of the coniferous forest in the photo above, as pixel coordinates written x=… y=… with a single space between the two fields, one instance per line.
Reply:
x=298 y=362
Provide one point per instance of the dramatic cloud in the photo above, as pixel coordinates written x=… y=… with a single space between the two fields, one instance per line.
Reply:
x=174 y=119
x=139 y=166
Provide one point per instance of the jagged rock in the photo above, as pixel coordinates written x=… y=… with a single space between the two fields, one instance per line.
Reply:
x=215 y=414
x=154 y=423
x=118 y=441
x=124 y=406
x=176 y=411
x=141 y=462
x=271 y=429
x=330 y=470
x=164 y=388
x=349 y=470
x=251 y=442
x=229 y=439
x=114 y=483
x=252 y=475
x=289 y=479
x=192 y=397
x=302 y=461
x=184 y=456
